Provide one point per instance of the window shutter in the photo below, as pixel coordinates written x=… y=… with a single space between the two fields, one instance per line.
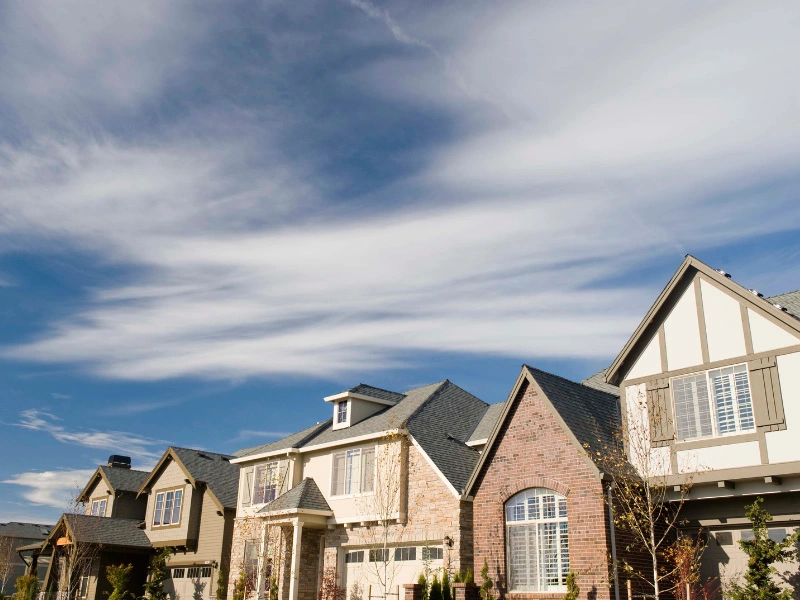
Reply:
x=247 y=486
x=765 y=388
x=659 y=410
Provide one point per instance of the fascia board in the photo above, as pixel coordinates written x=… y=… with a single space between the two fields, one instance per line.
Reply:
x=355 y=396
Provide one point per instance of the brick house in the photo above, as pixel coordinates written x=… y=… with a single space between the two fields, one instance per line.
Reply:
x=537 y=495
x=375 y=493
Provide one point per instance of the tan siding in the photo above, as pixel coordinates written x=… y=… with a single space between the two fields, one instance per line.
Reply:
x=98 y=492
x=212 y=531
x=172 y=476
x=128 y=506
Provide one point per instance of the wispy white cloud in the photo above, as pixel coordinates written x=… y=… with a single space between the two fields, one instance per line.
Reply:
x=51 y=488
x=626 y=137
x=111 y=441
x=59 y=396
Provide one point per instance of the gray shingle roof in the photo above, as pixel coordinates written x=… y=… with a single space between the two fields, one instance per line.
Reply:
x=215 y=470
x=28 y=531
x=306 y=495
x=592 y=415
x=598 y=382
x=485 y=426
x=442 y=426
x=373 y=392
x=107 y=531
x=294 y=440
x=124 y=480
x=790 y=300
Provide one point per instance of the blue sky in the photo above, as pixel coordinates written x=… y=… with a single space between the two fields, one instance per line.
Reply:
x=213 y=216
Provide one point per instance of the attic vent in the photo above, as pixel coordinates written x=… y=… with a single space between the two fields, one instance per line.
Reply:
x=724 y=273
x=780 y=307
x=451 y=438
x=201 y=455
x=756 y=292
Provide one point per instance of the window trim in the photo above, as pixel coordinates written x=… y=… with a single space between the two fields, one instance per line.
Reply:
x=266 y=465
x=164 y=491
x=708 y=440
x=83 y=589
x=359 y=484
x=557 y=520
x=99 y=500
x=342 y=412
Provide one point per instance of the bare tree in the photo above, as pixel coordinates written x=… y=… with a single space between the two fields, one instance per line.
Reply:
x=382 y=508
x=73 y=556
x=647 y=496
x=7 y=561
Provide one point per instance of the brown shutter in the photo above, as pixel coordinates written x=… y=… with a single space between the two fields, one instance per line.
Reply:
x=765 y=389
x=247 y=486
x=659 y=410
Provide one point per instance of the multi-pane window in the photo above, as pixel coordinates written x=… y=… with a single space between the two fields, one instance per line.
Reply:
x=353 y=472
x=379 y=555
x=354 y=556
x=99 y=508
x=341 y=412
x=429 y=553
x=407 y=553
x=713 y=403
x=84 y=590
x=538 y=541
x=178 y=573
x=199 y=572
x=265 y=486
x=168 y=508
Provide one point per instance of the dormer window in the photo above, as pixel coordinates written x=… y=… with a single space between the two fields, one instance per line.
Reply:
x=341 y=412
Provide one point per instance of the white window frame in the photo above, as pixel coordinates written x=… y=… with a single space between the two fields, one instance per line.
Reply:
x=363 y=486
x=530 y=519
x=168 y=498
x=714 y=413
x=102 y=505
x=342 y=412
x=83 y=590
x=271 y=470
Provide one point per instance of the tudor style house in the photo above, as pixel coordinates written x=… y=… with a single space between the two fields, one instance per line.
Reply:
x=539 y=497
x=376 y=493
x=712 y=377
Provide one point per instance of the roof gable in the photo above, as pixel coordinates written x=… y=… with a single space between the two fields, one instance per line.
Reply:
x=200 y=466
x=589 y=417
x=304 y=496
x=702 y=316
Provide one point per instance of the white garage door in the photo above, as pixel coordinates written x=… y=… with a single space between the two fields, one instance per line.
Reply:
x=189 y=583
x=403 y=565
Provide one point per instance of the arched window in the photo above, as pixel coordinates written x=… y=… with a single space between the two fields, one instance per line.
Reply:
x=537 y=544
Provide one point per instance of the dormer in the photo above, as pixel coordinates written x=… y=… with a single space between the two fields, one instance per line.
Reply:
x=358 y=403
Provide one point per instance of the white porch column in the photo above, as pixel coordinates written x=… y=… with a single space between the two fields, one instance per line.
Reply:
x=297 y=539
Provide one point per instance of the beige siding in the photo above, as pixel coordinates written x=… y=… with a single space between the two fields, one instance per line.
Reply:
x=682 y=333
x=98 y=492
x=171 y=476
x=649 y=362
x=768 y=336
x=782 y=446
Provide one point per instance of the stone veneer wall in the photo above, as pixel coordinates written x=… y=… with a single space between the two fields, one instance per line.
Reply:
x=532 y=450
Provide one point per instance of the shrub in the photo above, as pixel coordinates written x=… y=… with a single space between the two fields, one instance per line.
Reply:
x=447 y=592
x=572 y=587
x=469 y=576
x=154 y=588
x=27 y=587
x=119 y=576
x=330 y=590
x=488 y=584
x=436 y=589
x=424 y=583
x=762 y=553
x=240 y=589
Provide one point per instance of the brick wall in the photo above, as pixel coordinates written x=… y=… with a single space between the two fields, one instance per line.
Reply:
x=533 y=450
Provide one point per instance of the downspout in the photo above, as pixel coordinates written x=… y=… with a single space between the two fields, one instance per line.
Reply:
x=613 y=538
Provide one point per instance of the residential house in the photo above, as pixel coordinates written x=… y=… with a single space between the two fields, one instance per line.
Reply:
x=539 y=497
x=81 y=545
x=711 y=376
x=12 y=537
x=191 y=504
x=376 y=493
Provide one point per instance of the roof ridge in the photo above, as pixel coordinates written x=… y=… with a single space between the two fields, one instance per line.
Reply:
x=575 y=383
x=427 y=400
x=117 y=469
x=375 y=387
x=199 y=450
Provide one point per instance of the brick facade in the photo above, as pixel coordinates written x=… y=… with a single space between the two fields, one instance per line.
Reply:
x=533 y=450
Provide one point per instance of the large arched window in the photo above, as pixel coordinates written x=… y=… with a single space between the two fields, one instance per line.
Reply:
x=536 y=534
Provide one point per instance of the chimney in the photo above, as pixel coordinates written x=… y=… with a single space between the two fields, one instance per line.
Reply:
x=119 y=462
